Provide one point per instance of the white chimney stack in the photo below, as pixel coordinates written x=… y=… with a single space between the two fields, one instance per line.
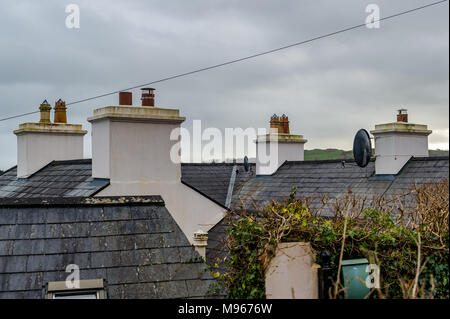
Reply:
x=136 y=148
x=273 y=149
x=132 y=144
x=397 y=142
x=38 y=144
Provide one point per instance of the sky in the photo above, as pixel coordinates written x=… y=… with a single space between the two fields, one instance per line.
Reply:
x=329 y=88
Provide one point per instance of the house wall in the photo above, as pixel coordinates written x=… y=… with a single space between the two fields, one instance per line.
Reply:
x=102 y=150
x=393 y=150
x=191 y=210
x=35 y=150
x=292 y=273
x=132 y=147
x=133 y=151
x=277 y=153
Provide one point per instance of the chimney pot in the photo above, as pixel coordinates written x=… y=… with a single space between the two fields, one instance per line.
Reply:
x=125 y=98
x=285 y=122
x=275 y=124
x=45 y=108
x=278 y=146
x=60 y=112
x=402 y=115
x=148 y=97
x=40 y=143
x=279 y=125
x=200 y=242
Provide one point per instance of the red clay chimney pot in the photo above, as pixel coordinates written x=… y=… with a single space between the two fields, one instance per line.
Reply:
x=125 y=98
x=285 y=123
x=402 y=115
x=148 y=97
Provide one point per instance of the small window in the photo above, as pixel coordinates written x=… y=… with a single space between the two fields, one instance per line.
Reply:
x=89 y=289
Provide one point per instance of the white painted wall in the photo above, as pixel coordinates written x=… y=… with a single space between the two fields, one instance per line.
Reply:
x=134 y=153
x=394 y=149
x=292 y=273
x=191 y=210
x=37 y=149
x=271 y=155
x=101 y=152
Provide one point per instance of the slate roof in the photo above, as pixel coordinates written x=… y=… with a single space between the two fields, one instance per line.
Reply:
x=312 y=178
x=213 y=179
x=57 y=179
x=132 y=242
x=333 y=179
x=73 y=179
x=216 y=250
x=329 y=178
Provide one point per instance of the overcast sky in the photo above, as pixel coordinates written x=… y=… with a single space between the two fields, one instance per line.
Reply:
x=328 y=88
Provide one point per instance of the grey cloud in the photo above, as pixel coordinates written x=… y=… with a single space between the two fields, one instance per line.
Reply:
x=329 y=88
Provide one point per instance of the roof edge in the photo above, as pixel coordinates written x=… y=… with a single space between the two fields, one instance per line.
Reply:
x=53 y=163
x=215 y=164
x=82 y=201
x=204 y=195
x=430 y=158
x=9 y=169
x=427 y=158
x=74 y=161
x=325 y=161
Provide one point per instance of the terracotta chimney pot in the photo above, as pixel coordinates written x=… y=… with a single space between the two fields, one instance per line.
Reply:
x=125 y=98
x=148 y=97
x=60 y=112
x=45 y=108
x=402 y=115
x=275 y=124
x=285 y=122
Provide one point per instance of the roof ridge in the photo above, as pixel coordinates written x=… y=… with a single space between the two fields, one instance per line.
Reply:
x=216 y=164
x=427 y=158
x=9 y=169
x=431 y=158
x=324 y=161
x=82 y=201
x=73 y=161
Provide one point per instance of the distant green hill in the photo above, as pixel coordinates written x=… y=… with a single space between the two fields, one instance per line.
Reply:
x=327 y=154
x=332 y=153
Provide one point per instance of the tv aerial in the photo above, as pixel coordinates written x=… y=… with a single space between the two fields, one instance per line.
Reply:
x=362 y=148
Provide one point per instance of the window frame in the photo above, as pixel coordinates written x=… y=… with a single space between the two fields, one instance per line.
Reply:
x=89 y=286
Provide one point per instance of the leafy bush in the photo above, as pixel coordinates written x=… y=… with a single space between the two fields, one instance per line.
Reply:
x=408 y=242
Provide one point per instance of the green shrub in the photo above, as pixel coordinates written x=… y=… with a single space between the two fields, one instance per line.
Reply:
x=384 y=231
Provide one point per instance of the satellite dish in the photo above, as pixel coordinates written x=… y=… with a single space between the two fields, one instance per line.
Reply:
x=246 y=163
x=362 y=148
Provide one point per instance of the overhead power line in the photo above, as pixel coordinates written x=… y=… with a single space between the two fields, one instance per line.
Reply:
x=327 y=35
